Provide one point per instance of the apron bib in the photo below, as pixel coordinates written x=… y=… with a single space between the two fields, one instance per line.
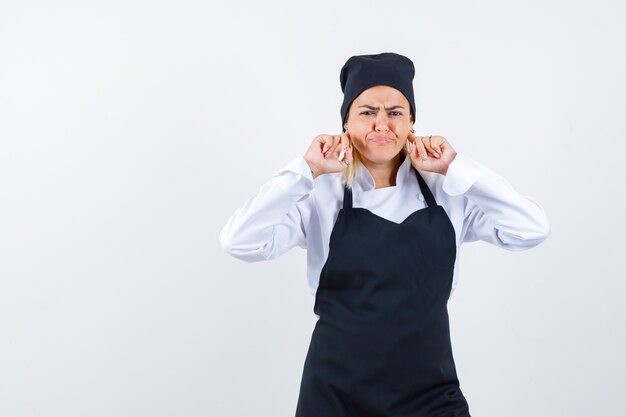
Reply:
x=381 y=346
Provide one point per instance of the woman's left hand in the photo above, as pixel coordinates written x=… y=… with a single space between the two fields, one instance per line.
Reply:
x=439 y=153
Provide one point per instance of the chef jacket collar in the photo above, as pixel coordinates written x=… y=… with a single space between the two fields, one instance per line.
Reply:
x=366 y=180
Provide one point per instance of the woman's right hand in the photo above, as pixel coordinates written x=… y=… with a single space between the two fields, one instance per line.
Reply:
x=324 y=152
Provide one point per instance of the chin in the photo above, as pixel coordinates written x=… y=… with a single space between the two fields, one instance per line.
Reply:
x=380 y=157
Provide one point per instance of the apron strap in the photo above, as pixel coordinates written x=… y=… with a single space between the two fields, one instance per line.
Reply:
x=425 y=190
x=347 y=197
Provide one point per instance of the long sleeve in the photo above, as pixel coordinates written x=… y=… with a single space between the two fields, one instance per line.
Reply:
x=271 y=223
x=494 y=211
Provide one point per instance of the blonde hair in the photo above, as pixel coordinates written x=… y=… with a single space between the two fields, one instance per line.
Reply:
x=352 y=171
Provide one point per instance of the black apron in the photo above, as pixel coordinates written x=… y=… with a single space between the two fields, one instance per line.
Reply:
x=381 y=346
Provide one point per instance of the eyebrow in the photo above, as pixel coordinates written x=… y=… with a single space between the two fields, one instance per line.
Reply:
x=386 y=108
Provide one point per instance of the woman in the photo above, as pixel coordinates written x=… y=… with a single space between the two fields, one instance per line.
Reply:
x=382 y=233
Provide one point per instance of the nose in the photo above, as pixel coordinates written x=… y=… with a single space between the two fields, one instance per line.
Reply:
x=381 y=122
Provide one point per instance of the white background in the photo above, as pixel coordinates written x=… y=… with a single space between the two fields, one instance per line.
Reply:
x=130 y=132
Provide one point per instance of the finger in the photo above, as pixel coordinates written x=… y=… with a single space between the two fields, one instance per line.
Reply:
x=344 y=146
x=415 y=146
x=345 y=142
x=436 y=143
x=333 y=147
x=337 y=143
x=429 y=146
x=326 y=144
x=411 y=143
x=329 y=146
x=349 y=158
x=421 y=148
x=440 y=143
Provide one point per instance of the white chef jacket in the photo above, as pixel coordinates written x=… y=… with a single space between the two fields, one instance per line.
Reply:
x=293 y=209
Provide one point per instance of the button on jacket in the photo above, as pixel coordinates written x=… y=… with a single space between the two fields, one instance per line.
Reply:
x=293 y=209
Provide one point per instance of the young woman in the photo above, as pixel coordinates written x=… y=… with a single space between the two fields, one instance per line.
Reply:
x=382 y=214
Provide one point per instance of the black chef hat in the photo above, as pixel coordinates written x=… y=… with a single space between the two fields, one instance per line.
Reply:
x=361 y=72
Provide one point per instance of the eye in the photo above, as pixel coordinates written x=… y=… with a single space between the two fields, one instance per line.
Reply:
x=395 y=113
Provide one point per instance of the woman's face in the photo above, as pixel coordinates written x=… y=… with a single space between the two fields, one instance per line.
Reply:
x=379 y=121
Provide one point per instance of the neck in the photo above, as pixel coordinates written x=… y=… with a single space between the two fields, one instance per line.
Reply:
x=384 y=173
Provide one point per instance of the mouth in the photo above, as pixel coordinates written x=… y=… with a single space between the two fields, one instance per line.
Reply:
x=381 y=140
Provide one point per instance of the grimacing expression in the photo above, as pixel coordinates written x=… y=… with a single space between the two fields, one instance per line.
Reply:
x=379 y=121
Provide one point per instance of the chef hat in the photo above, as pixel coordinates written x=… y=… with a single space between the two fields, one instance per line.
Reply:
x=361 y=72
